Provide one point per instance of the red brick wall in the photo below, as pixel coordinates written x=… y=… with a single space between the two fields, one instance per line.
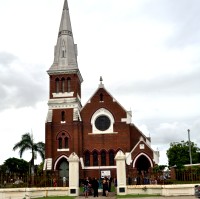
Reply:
x=80 y=132
x=75 y=84
x=120 y=140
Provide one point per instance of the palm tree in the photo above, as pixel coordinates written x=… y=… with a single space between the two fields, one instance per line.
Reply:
x=27 y=143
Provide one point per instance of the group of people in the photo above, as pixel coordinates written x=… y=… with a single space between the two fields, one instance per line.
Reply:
x=90 y=184
x=94 y=184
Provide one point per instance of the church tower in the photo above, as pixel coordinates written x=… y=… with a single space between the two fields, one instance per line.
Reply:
x=63 y=121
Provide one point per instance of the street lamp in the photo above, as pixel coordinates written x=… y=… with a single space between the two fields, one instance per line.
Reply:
x=189 y=146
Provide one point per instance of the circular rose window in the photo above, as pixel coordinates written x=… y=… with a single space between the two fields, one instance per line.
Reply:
x=102 y=123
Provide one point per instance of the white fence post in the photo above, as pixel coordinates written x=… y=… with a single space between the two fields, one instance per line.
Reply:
x=73 y=175
x=121 y=173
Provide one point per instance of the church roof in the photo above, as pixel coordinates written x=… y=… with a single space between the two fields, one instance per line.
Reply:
x=65 y=52
x=101 y=86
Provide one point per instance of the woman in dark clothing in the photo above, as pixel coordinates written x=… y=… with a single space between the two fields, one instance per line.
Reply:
x=105 y=187
x=95 y=186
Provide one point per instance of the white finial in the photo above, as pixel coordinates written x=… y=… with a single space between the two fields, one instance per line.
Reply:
x=101 y=84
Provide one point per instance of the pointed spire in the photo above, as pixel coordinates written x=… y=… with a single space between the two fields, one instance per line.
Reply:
x=65 y=52
x=65 y=7
x=65 y=23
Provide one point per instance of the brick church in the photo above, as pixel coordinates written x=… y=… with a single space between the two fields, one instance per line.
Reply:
x=95 y=131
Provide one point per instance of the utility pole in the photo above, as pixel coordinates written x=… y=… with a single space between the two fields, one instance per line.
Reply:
x=189 y=146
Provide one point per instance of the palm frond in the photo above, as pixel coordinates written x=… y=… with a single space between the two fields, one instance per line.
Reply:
x=41 y=149
x=27 y=143
x=26 y=140
x=23 y=149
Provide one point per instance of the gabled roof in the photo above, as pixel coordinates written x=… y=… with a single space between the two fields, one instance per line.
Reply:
x=101 y=86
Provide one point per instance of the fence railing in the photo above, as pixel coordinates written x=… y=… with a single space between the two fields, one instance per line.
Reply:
x=186 y=175
x=25 y=180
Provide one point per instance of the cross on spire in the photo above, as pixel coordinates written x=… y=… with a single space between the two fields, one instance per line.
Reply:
x=101 y=79
x=101 y=82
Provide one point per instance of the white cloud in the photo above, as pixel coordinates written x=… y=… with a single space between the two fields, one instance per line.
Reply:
x=147 y=52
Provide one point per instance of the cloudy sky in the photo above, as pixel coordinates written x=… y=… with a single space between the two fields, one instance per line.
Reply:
x=147 y=51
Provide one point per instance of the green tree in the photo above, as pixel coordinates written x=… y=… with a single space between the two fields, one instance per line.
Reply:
x=159 y=168
x=27 y=143
x=3 y=169
x=178 y=153
x=14 y=165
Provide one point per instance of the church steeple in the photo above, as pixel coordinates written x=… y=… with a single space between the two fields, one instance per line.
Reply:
x=65 y=52
x=66 y=6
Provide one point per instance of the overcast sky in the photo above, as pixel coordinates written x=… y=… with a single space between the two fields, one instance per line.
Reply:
x=147 y=51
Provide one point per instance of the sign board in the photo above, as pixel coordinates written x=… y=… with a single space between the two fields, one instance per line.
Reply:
x=105 y=173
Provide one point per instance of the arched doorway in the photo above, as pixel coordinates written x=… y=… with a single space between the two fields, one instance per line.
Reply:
x=63 y=172
x=142 y=164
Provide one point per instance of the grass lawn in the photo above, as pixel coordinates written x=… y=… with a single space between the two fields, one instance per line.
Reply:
x=57 y=197
x=124 y=196
x=137 y=196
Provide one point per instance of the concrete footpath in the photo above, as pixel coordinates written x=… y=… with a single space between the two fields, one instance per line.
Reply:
x=111 y=195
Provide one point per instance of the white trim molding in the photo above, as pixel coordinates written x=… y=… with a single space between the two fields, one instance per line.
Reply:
x=99 y=112
x=143 y=155
x=63 y=156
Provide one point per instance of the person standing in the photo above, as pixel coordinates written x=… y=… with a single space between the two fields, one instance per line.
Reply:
x=86 y=187
x=95 y=186
x=105 y=186
x=110 y=184
x=54 y=182
x=64 y=181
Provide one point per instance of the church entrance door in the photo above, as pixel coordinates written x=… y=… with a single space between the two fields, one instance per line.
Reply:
x=142 y=165
x=64 y=172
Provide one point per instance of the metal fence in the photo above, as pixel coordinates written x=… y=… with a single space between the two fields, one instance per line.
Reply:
x=188 y=175
x=26 y=180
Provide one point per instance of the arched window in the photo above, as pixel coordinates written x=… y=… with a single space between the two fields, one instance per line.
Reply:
x=103 y=158
x=111 y=158
x=60 y=143
x=95 y=158
x=87 y=158
x=63 y=140
x=68 y=84
x=57 y=85
x=66 y=143
x=101 y=97
x=63 y=84
x=63 y=116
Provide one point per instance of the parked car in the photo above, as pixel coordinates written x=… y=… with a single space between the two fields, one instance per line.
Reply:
x=18 y=182
x=197 y=191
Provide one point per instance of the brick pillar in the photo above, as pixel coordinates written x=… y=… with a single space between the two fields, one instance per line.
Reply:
x=173 y=173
